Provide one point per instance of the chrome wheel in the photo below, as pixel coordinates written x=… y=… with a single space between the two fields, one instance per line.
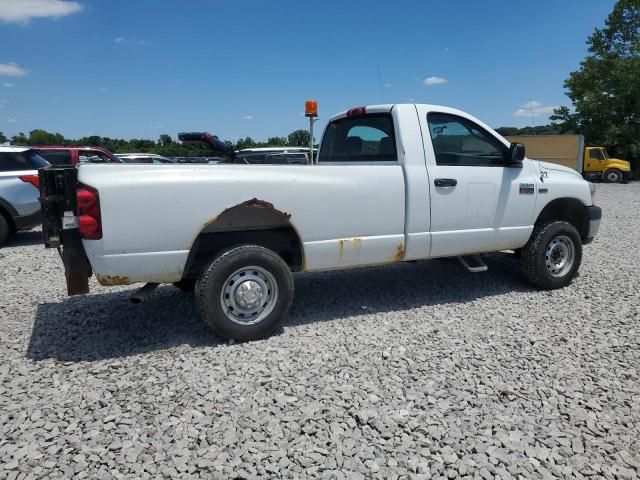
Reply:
x=249 y=295
x=560 y=255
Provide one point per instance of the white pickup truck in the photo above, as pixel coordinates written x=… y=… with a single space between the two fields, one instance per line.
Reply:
x=392 y=183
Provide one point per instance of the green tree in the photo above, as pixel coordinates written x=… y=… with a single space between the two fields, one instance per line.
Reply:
x=277 y=142
x=2 y=138
x=299 y=138
x=19 y=139
x=165 y=140
x=42 y=137
x=605 y=91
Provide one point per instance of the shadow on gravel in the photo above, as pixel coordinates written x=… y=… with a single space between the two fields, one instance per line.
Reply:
x=405 y=286
x=107 y=325
x=25 y=239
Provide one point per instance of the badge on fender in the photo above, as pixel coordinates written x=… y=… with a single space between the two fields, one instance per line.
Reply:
x=527 y=189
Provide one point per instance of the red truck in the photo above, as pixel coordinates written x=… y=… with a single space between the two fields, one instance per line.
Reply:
x=63 y=155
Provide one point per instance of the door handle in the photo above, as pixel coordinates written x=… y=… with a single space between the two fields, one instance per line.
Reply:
x=445 y=182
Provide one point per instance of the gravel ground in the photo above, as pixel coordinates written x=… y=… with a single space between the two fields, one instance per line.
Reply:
x=412 y=371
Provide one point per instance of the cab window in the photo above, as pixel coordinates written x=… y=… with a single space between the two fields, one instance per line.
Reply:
x=596 y=154
x=365 y=138
x=92 y=156
x=458 y=141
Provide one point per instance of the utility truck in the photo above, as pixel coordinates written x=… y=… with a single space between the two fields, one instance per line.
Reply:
x=392 y=183
x=593 y=162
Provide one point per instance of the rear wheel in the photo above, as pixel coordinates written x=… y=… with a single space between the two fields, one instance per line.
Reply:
x=552 y=256
x=5 y=230
x=613 y=176
x=245 y=293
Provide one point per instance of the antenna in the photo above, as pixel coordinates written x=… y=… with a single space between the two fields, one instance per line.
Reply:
x=532 y=120
x=380 y=83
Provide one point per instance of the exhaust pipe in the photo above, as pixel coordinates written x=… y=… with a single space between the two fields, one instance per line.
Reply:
x=143 y=293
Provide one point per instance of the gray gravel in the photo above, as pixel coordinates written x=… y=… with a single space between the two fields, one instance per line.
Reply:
x=413 y=371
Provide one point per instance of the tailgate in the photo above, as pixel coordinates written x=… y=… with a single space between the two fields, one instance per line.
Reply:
x=60 y=224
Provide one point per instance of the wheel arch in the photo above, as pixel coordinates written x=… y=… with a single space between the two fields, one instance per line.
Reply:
x=569 y=210
x=252 y=222
x=8 y=212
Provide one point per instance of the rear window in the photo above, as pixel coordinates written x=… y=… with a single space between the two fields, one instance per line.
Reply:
x=366 y=138
x=18 y=161
x=56 y=157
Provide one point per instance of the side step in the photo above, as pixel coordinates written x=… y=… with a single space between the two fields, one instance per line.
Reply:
x=473 y=263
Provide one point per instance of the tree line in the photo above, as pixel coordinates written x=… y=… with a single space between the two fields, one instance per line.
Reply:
x=165 y=145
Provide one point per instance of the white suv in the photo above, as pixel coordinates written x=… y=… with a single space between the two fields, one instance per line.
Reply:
x=19 y=194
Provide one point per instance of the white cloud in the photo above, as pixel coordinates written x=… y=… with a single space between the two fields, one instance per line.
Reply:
x=411 y=100
x=12 y=120
x=21 y=11
x=434 y=80
x=8 y=85
x=387 y=85
x=102 y=89
x=11 y=70
x=534 y=108
x=248 y=117
x=131 y=41
x=446 y=49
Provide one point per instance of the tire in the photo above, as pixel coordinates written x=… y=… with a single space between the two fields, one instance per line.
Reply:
x=542 y=256
x=186 y=285
x=5 y=230
x=244 y=293
x=612 y=176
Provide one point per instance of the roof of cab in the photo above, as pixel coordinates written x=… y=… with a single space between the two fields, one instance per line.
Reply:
x=13 y=148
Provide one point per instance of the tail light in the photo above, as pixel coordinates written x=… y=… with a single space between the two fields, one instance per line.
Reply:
x=89 y=221
x=32 y=179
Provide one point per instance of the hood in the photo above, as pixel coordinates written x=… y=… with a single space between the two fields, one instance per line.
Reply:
x=618 y=163
x=546 y=166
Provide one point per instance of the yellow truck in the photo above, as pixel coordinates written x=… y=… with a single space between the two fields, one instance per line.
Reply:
x=592 y=162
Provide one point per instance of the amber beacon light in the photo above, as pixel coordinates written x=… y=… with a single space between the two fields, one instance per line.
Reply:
x=311 y=111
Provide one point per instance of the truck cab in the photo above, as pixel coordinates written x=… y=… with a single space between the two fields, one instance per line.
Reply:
x=598 y=165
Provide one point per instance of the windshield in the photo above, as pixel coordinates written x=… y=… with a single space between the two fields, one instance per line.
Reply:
x=606 y=155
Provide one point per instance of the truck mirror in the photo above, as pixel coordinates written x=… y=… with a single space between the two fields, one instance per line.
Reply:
x=516 y=153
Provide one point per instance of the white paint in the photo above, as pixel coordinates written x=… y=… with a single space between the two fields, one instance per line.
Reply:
x=346 y=215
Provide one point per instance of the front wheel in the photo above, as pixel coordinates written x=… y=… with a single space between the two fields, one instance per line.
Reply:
x=245 y=292
x=613 y=176
x=551 y=258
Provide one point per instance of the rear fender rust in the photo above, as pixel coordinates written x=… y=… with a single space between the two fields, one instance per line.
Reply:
x=279 y=217
x=113 y=280
x=254 y=202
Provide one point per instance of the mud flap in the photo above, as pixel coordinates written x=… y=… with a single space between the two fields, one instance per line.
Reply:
x=60 y=225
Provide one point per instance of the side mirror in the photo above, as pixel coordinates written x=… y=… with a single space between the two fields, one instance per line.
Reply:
x=516 y=154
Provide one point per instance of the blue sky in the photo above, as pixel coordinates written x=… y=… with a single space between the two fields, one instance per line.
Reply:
x=129 y=68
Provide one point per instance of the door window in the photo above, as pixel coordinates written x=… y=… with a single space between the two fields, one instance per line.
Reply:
x=92 y=156
x=596 y=154
x=19 y=161
x=458 y=141
x=366 y=138
x=57 y=157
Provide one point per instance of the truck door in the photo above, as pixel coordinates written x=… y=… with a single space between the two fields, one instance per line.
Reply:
x=595 y=160
x=478 y=203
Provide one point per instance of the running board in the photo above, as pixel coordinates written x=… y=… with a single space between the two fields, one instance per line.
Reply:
x=473 y=263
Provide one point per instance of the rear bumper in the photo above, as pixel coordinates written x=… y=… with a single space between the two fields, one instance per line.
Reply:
x=594 y=215
x=27 y=222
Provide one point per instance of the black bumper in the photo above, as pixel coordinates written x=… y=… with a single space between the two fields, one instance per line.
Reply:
x=27 y=222
x=626 y=176
x=594 y=215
